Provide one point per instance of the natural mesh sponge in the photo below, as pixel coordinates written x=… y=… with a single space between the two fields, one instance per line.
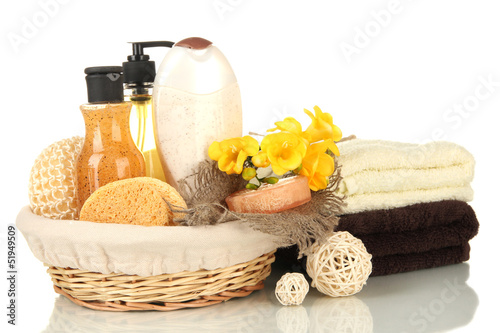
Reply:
x=139 y=201
x=52 y=182
x=340 y=266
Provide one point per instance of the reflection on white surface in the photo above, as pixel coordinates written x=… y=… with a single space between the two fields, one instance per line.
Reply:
x=431 y=300
x=241 y=315
x=292 y=319
x=423 y=301
x=341 y=314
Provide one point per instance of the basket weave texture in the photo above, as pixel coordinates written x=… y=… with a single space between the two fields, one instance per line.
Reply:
x=120 y=292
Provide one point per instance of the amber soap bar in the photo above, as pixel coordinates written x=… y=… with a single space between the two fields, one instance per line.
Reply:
x=267 y=199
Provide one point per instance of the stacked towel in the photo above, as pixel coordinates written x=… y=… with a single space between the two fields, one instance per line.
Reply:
x=418 y=236
x=384 y=174
x=407 y=202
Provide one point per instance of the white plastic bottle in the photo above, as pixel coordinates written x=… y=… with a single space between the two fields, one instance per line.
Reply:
x=197 y=101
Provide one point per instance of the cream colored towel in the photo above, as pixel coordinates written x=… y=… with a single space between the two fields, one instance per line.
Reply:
x=384 y=174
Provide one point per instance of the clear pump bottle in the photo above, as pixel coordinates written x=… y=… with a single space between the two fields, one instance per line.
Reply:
x=139 y=74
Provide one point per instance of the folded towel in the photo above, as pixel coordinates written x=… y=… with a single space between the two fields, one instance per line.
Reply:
x=413 y=229
x=400 y=263
x=384 y=174
x=414 y=237
x=390 y=264
x=403 y=239
x=388 y=200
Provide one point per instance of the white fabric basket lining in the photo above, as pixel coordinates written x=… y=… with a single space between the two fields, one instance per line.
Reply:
x=138 y=250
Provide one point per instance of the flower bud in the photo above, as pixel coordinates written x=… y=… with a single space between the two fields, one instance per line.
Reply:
x=248 y=173
x=271 y=180
x=251 y=186
x=260 y=160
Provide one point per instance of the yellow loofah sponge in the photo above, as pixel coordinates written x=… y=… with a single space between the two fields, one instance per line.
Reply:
x=52 y=183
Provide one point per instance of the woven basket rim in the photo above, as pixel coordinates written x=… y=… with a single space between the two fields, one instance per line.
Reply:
x=166 y=292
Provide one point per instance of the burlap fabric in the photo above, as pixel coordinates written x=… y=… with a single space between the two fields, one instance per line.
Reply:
x=206 y=189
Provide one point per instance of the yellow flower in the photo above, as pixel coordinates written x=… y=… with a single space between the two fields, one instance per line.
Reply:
x=260 y=160
x=284 y=150
x=289 y=124
x=322 y=127
x=232 y=153
x=317 y=165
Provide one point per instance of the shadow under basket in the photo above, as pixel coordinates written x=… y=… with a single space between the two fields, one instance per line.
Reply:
x=166 y=292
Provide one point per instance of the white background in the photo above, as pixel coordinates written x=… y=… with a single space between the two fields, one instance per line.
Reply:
x=413 y=71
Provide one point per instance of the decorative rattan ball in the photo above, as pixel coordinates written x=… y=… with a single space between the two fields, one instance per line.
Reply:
x=291 y=289
x=340 y=266
x=52 y=183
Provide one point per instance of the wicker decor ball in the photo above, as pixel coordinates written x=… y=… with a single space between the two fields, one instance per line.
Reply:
x=291 y=289
x=340 y=266
x=52 y=183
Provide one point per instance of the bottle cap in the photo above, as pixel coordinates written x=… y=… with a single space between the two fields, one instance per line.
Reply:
x=196 y=66
x=139 y=69
x=195 y=43
x=104 y=84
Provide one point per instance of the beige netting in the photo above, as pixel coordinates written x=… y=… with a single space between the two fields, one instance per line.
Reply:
x=52 y=182
x=206 y=189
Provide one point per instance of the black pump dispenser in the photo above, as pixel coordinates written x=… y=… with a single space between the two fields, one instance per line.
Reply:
x=104 y=84
x=139 y=69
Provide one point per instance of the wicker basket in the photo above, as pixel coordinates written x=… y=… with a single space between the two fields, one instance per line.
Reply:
x=119 y=292
x=148 y=279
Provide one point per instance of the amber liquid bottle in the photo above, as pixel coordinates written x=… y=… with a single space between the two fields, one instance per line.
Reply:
x=109 y=152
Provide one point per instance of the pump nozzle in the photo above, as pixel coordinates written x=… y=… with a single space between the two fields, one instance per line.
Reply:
x=139 y=69
x=138 y=47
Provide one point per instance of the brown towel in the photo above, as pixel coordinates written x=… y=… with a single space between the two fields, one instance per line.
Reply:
x=404 y=239
x=413 y=229
x=400 y=263
x=390 y=264
x=414 y=237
